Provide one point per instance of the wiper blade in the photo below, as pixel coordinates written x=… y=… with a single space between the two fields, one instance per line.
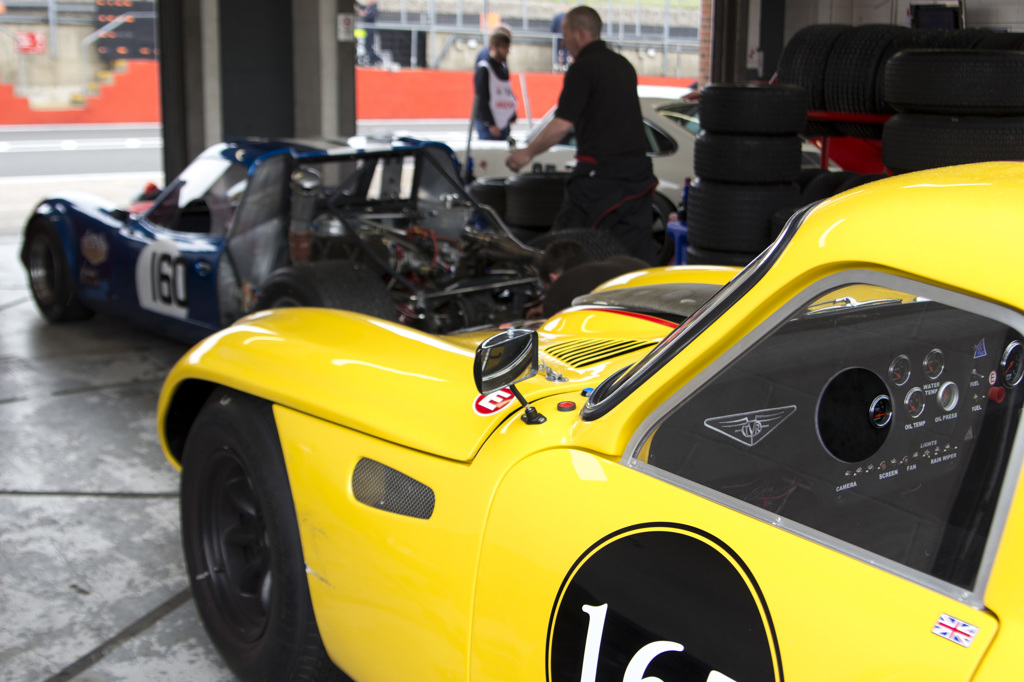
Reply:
x=847 y=302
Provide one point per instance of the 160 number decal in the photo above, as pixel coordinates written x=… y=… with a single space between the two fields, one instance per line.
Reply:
x=160 y=280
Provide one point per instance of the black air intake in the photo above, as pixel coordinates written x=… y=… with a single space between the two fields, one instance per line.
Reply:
x=381 y=487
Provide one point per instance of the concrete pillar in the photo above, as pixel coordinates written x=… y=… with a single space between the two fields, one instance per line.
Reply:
x=729 y=41
x=253 y=67
x=183 y=81
x=772 y=27
x=704 y=34
x=257 y=69
x=324 y=63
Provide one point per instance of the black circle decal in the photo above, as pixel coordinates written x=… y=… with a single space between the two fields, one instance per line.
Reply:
x=665 y=601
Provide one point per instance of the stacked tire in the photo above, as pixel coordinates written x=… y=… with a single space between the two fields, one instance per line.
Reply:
x=491 y=192
x=953 y=106
x=527 y=202
x=747 y=159
x=843 y=68
x=533 y=200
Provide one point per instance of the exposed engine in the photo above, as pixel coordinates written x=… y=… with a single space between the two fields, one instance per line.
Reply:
x=438 y=283
x=447 y=262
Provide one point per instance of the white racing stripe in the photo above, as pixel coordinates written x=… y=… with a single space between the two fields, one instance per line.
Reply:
x=81 y=145
x=56 y=180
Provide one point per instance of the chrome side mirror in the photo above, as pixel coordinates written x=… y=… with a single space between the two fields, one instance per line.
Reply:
x=504 y=360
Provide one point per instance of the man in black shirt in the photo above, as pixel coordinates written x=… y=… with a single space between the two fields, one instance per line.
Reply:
x=611 y=186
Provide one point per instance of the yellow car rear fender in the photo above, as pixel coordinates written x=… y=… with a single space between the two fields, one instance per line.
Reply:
x=382 y=379
x=372 y=376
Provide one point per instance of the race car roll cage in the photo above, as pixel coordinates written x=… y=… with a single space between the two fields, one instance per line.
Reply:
x=379 y=200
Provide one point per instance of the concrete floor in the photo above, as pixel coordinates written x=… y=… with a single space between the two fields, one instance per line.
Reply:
x=92 y=581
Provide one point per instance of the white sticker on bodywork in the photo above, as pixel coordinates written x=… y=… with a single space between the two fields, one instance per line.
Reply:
x=95 y=248
x=486 y=405
x=160 y=275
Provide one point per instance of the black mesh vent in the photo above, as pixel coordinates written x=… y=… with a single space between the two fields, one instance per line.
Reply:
x=382 y=487
x=585 y=352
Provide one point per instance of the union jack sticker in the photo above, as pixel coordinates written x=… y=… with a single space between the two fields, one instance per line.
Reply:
x=955 y=630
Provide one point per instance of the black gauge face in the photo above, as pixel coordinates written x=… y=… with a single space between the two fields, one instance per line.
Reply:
x=914 y=402
x=850 y=396
x=881 y=411
x=899 y=370
x=934 y=363
x=1010 y=366
x=949 y=394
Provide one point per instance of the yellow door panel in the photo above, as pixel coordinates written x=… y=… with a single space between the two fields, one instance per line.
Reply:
x=574 y=541
x=384 y=579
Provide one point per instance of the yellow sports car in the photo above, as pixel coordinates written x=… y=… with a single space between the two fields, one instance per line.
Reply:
x=804 y=470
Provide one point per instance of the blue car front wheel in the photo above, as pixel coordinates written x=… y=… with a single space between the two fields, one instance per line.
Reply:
x=49 y=275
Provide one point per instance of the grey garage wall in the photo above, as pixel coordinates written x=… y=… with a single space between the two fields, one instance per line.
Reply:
x=252 y=67
x=256 y=68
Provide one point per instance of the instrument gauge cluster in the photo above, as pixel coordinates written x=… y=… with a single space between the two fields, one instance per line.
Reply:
x=916 y=398
x=948 y=396
x=899 y=370
x=934 y=364
x=1011 y=368
x=914 y=402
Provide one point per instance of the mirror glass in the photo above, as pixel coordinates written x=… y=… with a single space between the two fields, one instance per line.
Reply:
x=505 y=359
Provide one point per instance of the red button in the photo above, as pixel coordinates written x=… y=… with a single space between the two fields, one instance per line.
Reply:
x=996 y=394
x=566 y=406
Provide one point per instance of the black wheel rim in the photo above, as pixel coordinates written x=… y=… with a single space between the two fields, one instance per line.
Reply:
x=42 y=270
x=234 y=545
x=664 y=243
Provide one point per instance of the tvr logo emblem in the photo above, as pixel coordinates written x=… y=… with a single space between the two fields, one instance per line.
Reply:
x=750 y=428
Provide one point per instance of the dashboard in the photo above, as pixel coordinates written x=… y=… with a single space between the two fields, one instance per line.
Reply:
x=887 y=426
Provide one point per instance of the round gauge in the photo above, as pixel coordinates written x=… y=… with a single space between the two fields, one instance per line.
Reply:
x=899 y=370
x=934 y=363
x=849 y=397
x=1011 y=367
x=914 y=402
x=949 y=394
x=880 y=411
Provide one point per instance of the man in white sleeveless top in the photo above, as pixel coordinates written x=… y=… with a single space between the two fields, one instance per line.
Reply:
x=495 y=107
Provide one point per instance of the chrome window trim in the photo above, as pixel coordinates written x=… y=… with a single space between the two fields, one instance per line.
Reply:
x=658 y=129
x=973 y=597
x=616 y=388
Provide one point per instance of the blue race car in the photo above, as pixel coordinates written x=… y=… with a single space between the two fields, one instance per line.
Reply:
x=381 y=228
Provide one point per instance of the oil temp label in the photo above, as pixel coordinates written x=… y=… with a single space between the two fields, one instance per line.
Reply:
x=160 y=280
